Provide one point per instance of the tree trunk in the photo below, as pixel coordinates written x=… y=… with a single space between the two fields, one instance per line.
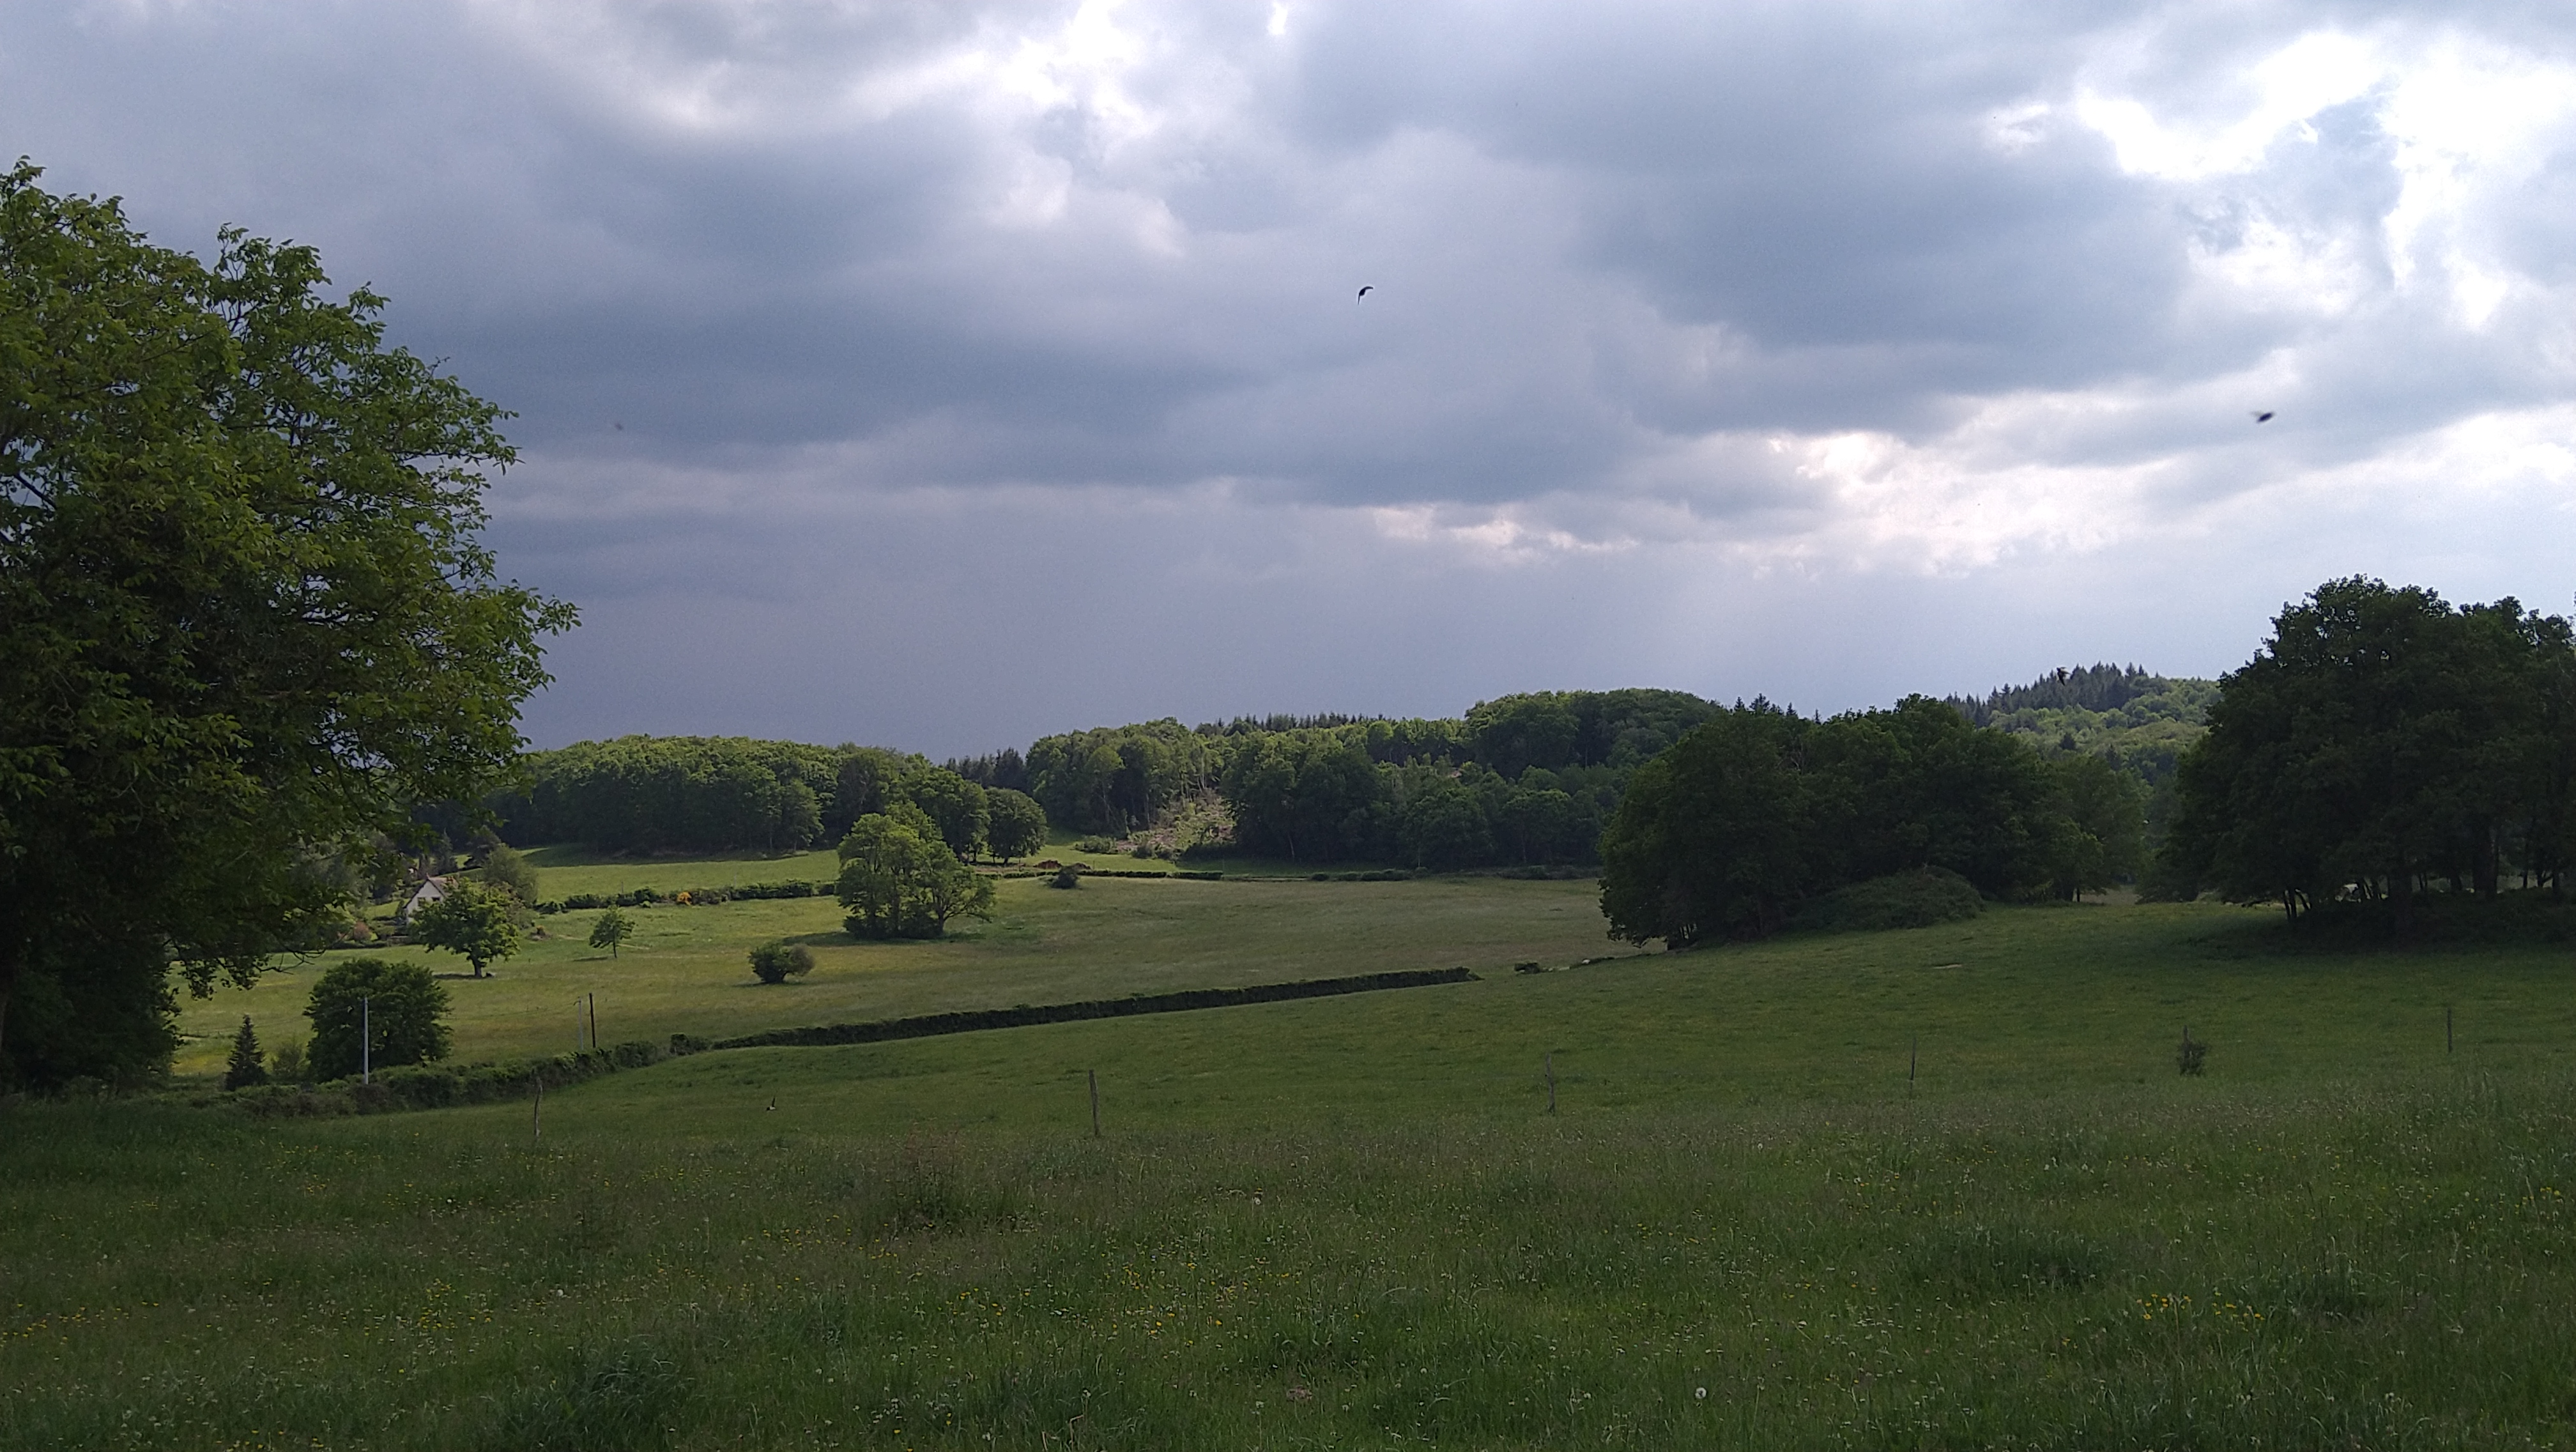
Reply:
x=2487 y=870
x=2401 y=894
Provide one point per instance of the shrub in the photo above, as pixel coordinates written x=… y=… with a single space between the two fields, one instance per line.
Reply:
x=504 y=867
x=404 y=1013
x=286 y=1062
x=1065 y=877
x=778 y=960
x=2192 y=1057
x=245 y=1069
x=1095 y=844
x=1916 y=899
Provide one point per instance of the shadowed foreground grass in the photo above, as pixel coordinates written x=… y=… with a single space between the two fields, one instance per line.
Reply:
x=1350 y=1223
x=2380 y=1268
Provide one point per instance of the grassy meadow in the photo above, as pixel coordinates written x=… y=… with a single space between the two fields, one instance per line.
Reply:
x=1928 y=1189
x=685 y=970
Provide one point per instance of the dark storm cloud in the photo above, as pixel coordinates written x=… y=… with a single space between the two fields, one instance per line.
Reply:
x=1703 y=340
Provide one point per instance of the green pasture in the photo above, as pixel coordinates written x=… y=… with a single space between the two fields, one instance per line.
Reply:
x=685 y=970
x=1353 y=1222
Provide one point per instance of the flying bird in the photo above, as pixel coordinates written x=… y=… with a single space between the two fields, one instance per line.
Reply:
x=1364 y=292
x=2264 y=417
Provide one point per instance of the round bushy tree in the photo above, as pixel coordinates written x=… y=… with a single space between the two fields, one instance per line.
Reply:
x=900 y=881
x=779 y=960
x=480 y=922
x=1017 y=824
x=404 y=1014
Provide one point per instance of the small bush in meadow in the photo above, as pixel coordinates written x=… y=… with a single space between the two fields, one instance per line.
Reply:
x=286 y=1062
x=2193 y=1056
x=1065 y=877
x=1916 y=899
x=779 y=960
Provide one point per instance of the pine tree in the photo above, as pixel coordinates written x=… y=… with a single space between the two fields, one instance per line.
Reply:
x=246 y=1068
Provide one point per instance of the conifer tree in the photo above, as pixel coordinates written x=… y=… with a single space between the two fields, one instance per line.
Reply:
x=246 y=1067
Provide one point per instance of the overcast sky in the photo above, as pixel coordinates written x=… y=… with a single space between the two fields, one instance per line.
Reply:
x=939 y=375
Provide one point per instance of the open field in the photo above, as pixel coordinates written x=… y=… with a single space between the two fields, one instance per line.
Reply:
x=1351 y=1222
x=685 y=970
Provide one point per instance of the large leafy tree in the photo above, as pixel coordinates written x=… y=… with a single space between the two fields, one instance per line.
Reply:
x=396 y=1010
x=956 y=807
x=2381 y=738
x=244 y=619
x=1017 y=825
x=1717 y=837
x=478 y=922
x=1758 y=810
x=899 y=880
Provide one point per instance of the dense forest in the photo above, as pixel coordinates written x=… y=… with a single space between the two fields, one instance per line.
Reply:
x=1762 y=810
x=1524 y=779
x=1529 y=779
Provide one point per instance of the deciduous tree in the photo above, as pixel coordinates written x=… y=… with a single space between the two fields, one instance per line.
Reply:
x=899 y=880
x=479 y=922
x=400 y=1010
x=243 y=613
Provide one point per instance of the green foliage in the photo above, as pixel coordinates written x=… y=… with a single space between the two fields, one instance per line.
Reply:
x=244 y=620
x=1558 y=729
x=955 y=806
x=506 y=868
x=1760 y=810
x=1307 y=796
x=245 y=1068
x=2099 y=837
x=403 y=1017
x=101 y=1009
x=663 y=793
x=611 y=930
x=2381 y=741
x=1016 y=826
x=778 y=960
x=286 y=1062
x=1118 y=778
x=480 y=923
x=1915 y=899
x=900 y=880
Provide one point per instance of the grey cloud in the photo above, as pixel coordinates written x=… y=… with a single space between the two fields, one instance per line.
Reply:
x=834 y=329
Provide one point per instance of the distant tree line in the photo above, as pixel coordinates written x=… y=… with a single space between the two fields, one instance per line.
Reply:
x=2384 y=745
x=1761 y=810
x=695 y=793
x=1523 y=779
x=2139 y=722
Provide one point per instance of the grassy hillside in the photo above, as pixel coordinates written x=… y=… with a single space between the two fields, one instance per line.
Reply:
x=685 y=969
x=1352 y=1222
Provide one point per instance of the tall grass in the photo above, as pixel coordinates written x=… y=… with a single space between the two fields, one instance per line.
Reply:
x=1348 y=1223
x=2381 y=1266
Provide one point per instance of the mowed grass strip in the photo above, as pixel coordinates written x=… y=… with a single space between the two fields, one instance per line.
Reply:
x=685 y=971
x=1349 y=1222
